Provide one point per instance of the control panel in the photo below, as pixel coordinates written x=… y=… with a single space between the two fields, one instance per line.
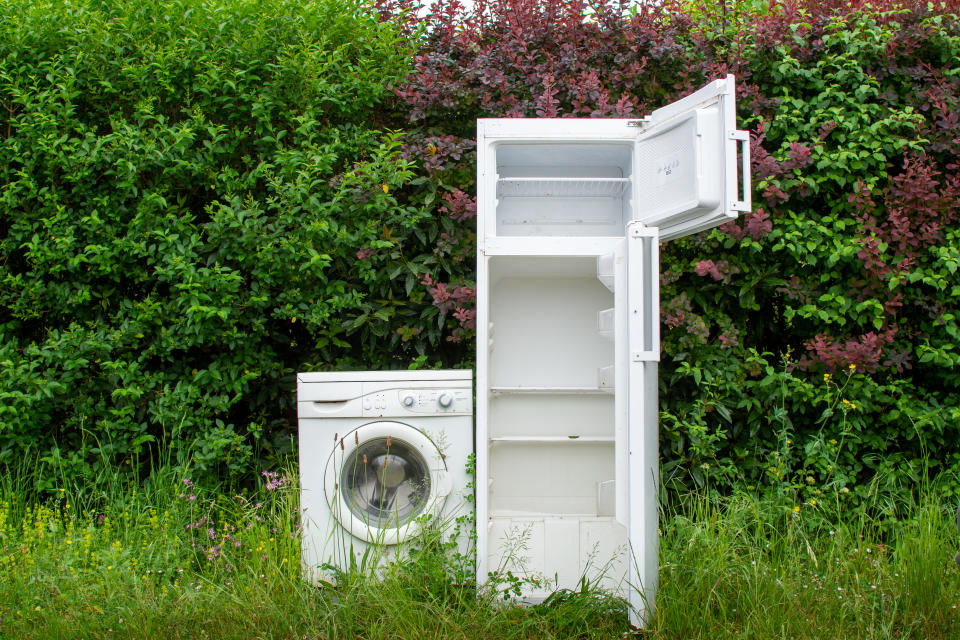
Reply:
x=384 y=399
x=435 y=400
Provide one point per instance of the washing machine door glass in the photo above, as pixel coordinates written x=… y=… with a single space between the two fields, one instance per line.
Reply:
x=382 y=478
x=385 y=482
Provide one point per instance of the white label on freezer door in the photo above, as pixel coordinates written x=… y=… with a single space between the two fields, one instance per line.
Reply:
x=668 y=168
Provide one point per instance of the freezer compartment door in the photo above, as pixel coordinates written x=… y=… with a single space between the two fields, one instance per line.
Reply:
x=686 y=169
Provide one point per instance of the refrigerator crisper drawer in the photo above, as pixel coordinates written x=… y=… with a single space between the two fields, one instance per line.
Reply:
x=571 y=189
x=559 y=552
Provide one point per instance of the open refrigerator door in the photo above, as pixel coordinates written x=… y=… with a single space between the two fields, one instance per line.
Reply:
x=686 y=175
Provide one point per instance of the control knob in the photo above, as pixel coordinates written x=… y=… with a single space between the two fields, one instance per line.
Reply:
x=408 y=401
x=445 y=400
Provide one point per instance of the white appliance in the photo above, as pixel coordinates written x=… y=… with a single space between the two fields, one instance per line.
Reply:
x=570 y=217
x=381 y=452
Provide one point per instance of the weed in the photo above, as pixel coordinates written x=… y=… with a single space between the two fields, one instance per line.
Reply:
x=173 y=559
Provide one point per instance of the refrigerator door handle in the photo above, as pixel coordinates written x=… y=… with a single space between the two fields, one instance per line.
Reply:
x=738 y=140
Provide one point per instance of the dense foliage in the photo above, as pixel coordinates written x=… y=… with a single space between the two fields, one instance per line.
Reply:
x=845 y=273
x=199 y=199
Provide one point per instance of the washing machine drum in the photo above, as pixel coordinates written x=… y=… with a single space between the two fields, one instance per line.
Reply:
x=383 y=479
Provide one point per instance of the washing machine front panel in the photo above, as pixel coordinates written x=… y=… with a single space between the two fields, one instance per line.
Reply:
x=382 y=477
x=350 y=520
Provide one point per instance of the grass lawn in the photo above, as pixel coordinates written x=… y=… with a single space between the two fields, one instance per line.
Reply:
x=172 y=561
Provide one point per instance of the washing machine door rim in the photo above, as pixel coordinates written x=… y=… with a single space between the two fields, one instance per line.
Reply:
x=342 y=501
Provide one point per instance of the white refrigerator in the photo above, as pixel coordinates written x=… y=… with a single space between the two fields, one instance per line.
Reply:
x=570 y=216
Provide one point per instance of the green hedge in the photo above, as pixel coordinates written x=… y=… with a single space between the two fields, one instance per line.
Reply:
x=197 y=201
x=831 y=359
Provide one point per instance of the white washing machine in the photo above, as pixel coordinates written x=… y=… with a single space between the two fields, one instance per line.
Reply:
x=381 y=453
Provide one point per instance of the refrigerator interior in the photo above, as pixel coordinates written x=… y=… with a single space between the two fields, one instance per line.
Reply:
x=550 y=443
x=550 y=189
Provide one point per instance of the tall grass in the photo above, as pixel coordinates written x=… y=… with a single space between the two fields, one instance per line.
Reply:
x=168 y=559
x=745 y=567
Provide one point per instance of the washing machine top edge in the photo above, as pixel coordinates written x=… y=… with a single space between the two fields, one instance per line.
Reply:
x=438 y=375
